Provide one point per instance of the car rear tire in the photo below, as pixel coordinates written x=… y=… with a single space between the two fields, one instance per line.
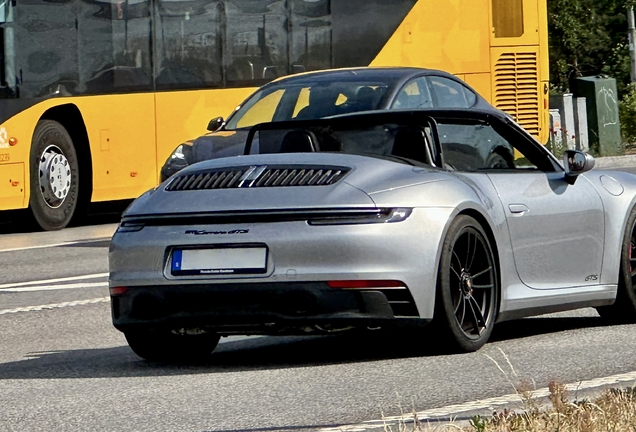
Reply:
x=624 y=308
x=497 y=161
x=54 y=175
x=467 y=288
x=170 y=346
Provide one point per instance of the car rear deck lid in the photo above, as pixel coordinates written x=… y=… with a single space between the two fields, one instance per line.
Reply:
x=258 y=176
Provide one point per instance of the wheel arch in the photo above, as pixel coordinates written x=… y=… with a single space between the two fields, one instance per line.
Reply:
x=486 y=226
x=69 y=116
x=447 y=326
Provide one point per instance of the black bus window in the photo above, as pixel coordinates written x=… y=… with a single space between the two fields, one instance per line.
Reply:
x=8 y=73
x=354 y=41
x=311 y=36
x=46 y=46
x=188 y=44
x=114 y=47
x=256 y=42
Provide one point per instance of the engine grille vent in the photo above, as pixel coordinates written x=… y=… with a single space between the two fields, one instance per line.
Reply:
x=258 y=177
x=517 y=88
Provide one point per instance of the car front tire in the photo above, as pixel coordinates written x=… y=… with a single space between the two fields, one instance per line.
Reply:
x=624 y=308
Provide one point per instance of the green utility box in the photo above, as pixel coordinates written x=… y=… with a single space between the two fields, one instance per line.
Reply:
x=602 y=114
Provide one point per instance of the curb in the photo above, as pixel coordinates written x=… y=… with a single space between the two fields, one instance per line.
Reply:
x=609 y=162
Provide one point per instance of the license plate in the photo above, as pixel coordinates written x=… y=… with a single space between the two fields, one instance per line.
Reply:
x=219 y=261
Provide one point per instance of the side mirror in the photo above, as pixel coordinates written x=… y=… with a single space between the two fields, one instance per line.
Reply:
x=576 y=162
x=215 y=124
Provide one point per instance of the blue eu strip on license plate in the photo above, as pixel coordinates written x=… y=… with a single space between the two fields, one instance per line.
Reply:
x=176 y=260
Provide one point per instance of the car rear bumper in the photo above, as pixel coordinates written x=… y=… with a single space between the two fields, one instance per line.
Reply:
x=265 y=308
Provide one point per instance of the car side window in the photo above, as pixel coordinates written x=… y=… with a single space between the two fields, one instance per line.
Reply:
x=478 y=147
x=415 y=94
x=451 y=94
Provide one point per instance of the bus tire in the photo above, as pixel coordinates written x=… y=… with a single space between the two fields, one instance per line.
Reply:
x=54 y=176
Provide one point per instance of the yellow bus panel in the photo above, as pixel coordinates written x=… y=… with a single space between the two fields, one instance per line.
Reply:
x=185 y=115
x=12 y=184
x=452 y=35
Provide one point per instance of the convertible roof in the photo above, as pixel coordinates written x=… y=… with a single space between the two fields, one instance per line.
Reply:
x=409 y=116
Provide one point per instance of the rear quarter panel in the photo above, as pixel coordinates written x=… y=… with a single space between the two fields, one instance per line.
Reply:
x=465 y=193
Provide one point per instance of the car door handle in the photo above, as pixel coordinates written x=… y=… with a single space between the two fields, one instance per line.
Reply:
x=518 y=209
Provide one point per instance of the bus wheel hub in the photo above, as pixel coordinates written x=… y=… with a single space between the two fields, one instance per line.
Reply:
x=55 y=176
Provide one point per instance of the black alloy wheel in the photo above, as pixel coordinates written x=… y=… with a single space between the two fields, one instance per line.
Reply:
x=624 y=308
x=468 y=287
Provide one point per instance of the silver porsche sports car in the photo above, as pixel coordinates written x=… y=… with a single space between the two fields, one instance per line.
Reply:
x=380 y=220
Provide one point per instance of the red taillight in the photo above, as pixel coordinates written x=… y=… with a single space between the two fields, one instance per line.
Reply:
x=115 y=291
x=361 y=284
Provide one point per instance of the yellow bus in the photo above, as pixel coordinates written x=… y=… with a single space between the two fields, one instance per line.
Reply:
x=96 y=94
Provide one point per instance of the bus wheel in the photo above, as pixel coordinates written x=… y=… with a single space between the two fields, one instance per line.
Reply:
x=54 y=176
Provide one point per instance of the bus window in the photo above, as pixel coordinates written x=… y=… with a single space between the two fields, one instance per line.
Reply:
x=256 y=42
x=188 y=44
x=357 y=42
x=8 y=77
x=48 y=53
x=311 y=40
x=507 y=18
x=114 y=47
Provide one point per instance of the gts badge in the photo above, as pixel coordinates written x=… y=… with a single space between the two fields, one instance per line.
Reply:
x=203 y=232
x=591 y=278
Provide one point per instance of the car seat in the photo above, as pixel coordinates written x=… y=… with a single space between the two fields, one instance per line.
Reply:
x=410 y=143
x=298 y=141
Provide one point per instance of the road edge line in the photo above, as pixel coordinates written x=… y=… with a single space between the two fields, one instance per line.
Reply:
x=55 y=305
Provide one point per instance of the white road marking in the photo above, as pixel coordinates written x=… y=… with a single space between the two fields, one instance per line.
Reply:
x=55 y=305
x=50 y=281
x=55 y=287
x=68 y=243
x=451 y=411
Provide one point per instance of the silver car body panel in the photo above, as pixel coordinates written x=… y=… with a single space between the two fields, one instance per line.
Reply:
x=547 y=216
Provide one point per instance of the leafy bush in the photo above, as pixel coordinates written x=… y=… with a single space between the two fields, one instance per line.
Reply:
x=627 y=112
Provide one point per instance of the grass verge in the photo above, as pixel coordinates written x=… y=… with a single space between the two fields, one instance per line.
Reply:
x=613 y=410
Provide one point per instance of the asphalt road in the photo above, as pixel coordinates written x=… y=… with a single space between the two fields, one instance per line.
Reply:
x=64 y=367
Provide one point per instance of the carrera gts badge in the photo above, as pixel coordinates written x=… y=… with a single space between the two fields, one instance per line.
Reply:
x=203 y=232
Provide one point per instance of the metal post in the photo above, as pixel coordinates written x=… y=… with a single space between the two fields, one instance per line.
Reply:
x=580 y=119
x=632 y=39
